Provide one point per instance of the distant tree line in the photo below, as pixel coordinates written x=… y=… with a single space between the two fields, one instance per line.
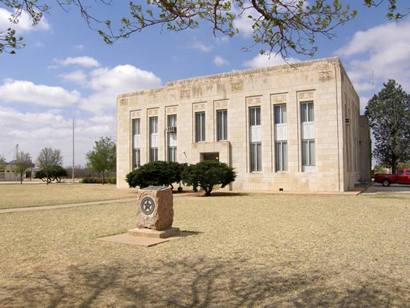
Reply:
x=101 y=164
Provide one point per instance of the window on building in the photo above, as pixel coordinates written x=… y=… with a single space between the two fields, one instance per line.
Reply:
x=280 y=114
x=308 y=135
x=307 y=112
x=308 y=153
x=153 y=136
x=172 y=137
x=200 y=126
x=221 y=125
x=281 y=155
x=136 y=147
x=281 y=137
x=255 y=142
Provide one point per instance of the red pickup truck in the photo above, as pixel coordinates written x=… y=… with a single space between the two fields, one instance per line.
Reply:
x=402 y=177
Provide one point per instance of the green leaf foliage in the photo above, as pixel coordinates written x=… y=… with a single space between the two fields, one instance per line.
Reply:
x=102 y=158
x=208 y=173
x=157 y=173
x=389 y=118
x=48 y=161
x=2 y=163
x=55 y=173
x=279 y=26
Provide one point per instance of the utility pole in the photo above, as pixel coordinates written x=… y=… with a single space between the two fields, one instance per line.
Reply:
x=15 y=162
x=72 y=171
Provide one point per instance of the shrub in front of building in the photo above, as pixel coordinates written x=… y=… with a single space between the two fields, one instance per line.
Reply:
x=98 y=180
x=157 y=173
x=55 y=173
x=190 y=176
x=207 y=174
x=91 y=180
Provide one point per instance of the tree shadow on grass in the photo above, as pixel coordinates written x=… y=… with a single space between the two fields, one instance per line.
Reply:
x=216 y=194
x=228 y=194
x=198 y=282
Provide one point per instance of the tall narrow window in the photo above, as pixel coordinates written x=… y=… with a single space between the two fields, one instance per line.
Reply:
x=136 y=150
x=308 y=135
x=153 y=136
x=255 y=141
x=221 y=125
x=281 y=136
x=308 y=153
x=172 y=137
x=307 y=112
x=200 y=126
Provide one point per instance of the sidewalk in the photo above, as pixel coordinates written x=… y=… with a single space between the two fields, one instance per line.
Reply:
x=62 y=206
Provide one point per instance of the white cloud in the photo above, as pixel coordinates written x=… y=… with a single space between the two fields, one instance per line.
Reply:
x=107 y=84
x=85 y=61
x=379 y=54
x=22 y=91
x=36 y=130
x=244 y=24
x=53 y=127
x=123 y=77
x=268 y=59
x=78 y=77
x=363 y=103
x=202 y=47
x=25 y=23
x=219 y=61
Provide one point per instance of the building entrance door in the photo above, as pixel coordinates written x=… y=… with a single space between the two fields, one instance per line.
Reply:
x=210 y=156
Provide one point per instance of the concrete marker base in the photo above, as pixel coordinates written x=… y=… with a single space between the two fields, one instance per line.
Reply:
x=144 y=232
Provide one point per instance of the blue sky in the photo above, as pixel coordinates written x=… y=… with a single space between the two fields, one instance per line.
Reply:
x=66 y=69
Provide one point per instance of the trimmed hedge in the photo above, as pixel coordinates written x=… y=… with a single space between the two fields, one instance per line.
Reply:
x=205 y=174
x=55 y=173
x=157 y=173
x=208 y=173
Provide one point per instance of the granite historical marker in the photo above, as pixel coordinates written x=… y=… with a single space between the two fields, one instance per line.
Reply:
x=155 y=212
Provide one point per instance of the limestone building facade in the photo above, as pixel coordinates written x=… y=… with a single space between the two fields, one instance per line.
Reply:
x=292 y=128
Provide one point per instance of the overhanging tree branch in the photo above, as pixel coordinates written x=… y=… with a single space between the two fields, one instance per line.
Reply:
x=278 y=25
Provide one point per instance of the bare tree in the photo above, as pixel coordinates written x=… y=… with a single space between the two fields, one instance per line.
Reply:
x=2 y=162
x=48 y=160
x=23 y=162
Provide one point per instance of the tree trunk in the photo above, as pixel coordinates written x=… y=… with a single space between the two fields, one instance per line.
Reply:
x=21 y=178
x=394 y=165
x=103 y=177
x=208 y=191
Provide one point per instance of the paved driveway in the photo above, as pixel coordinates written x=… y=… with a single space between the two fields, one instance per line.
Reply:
x=394 y=188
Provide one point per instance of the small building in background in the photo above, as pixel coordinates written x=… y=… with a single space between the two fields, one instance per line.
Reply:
x=8 y=172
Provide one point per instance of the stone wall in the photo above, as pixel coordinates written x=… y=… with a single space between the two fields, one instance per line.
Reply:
x=320 y=81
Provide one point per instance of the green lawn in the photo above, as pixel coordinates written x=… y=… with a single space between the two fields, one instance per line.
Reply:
x=27 y=195
x=255 y=250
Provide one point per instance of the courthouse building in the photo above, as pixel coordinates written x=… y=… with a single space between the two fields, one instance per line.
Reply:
x=292 y=128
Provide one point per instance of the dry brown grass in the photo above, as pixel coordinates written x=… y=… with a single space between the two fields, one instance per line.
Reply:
x=28 y=195
x=277 y=250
